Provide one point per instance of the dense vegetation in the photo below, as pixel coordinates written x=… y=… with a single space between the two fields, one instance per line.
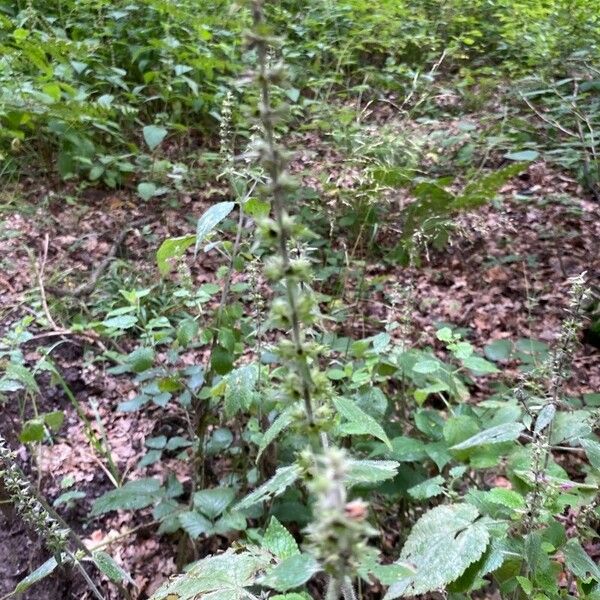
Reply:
x=217 y=217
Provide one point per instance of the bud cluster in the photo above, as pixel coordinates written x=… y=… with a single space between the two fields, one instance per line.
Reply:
x=27 y=504
x=340 y=530
x=295 y=308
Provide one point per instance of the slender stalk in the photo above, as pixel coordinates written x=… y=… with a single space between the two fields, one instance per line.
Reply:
x=273 y=163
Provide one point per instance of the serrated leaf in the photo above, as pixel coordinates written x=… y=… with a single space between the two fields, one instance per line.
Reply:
x=279 y=424
x=154 y=135
x=370 y=471
x=20 y=373
x=40 y=573
x=279 y=541
x=479 y=365
x=579 y=562
x=172 y=248
x=291 y=572
x=194 y=524
x=210 y=219
x=120 y=322
x=592 y=449
x=498 y=350
x=545 y=417
x=360 y=423
x=283 y=478
x=427 y=366
x=230 y=521
x=508 y=498
x=428 y=488
x=404 y=449
x=146 y=190
x=141 y=359
x=441 y=546
x=571 y=426
x=110 y=568
x=494 y=435
x=133 y=495
x=187 y=331
x=214 y=501
x=222 y=577
x=257 y=208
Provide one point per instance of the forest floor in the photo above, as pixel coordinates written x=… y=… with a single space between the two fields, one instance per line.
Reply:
x=505 y=277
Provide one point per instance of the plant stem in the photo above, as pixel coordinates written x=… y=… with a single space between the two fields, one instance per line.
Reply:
x=273 y=167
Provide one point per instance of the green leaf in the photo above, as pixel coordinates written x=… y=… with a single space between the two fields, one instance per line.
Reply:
x=505 y=497
x=279 y=541
x=68 y=497
x=154 y=135
x=570 y=427
x=525 y=584
x=498 y=350
x=279 y=424
x=172 y=248
x=479 y=365
x=292 y=572
x=222 y=577
x=210 y=219
x=230 y=521
x=133 y=495
x=494 y=435
x=141 y=359
x=283 y=478
x=214 y=501
x=442 y=544
x=407 y=449
x=428 y=488
x=146 y=190
x=187 y=331
x=257 y=208
x=484 y=189
x=194 y=523
x=592 y=449
x=33 y=430
x=425 y=367
x=545 y=417
x=111 y=569
x=54 y=419
x=23 y=374
x=221 y=360
x=120 y=322
x=370 y=471
x=444 y=334
x=579 y=562
x=40 y=573
x=360 y=423
x=524 y=155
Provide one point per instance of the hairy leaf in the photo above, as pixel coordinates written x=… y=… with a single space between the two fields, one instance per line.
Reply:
x=133 y=495
x=443 y=543
x=292 y=572
x=283 y=478
x=210 y=219
x=40 y=573
x=494 y=435
x=360 y=423
x=279 y=541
